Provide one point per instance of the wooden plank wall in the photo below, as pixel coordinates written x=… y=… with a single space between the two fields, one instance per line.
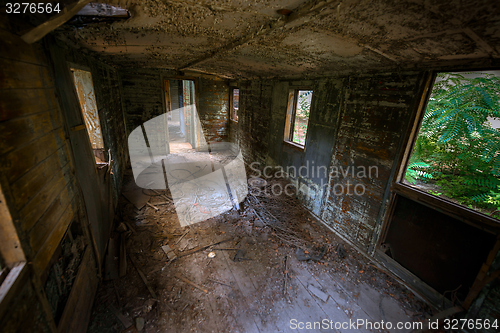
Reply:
x=36 y=171
x=36 y=167
x=38 y=178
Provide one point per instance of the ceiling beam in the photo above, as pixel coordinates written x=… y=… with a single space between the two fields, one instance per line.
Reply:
x=304 y=10
x=54 y=22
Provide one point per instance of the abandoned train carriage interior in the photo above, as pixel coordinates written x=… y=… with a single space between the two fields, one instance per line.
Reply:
x=250 y=166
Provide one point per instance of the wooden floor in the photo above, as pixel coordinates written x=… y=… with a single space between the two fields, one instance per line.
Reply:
x=247 y=295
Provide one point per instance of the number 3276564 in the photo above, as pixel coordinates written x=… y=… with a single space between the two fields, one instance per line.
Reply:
x=32 y=8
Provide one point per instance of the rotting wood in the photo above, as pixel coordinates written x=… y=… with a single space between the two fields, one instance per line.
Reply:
x=180 y=238
x=77 y=310
x=152 y=206
x=162 y=195
x=143 y=277
x=461 y=213
x=54 y=22
x=124 y=320
x=204 y=247
x=222 y=283
x=482 y=279
x=180 y=277
x=395 y=270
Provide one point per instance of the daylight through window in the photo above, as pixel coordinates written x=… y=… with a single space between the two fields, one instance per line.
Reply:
x=235 y=102
x=86 y=97
x=456 y=154
x=299 y=107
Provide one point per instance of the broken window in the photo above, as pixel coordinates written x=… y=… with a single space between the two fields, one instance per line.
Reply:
x=297 y=116
x=235 y=102
x=86 y=96
x=456 y=152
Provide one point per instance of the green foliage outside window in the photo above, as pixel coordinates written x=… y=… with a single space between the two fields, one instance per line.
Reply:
x=302 y=116
x=457 y=149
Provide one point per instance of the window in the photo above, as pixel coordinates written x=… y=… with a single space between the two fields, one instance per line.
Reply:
x=455 y=154
x=86 y=96
x=297 y=116
x=235 y=102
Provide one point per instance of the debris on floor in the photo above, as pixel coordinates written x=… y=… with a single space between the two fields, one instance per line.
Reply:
x=273 y=262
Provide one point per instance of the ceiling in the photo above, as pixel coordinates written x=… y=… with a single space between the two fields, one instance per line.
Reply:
x=248 y=39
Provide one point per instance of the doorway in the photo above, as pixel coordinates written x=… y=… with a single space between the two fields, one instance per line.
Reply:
x=180 y=105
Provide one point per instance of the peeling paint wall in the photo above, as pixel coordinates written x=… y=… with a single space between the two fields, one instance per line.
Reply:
x=375 y=116
x=356 y=123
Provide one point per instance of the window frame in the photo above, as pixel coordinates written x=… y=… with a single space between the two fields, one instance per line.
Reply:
x=232 y=111
x=97 y=152
x=457 y=211
x=291 y=111
x=397 y=188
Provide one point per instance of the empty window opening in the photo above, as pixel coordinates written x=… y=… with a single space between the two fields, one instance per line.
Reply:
x=456 y=153
x=297 y=117
x=86 y=96
x=180 y=105
x=235 y=103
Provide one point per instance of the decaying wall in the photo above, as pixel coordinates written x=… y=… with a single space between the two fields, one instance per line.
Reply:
x=356 y=135
x=355 y=123
x=106 y=81
x=36 y=172
x=39 y=180
x=375 y=117
x=144 y=98
x=253 y=120
x=213 y=101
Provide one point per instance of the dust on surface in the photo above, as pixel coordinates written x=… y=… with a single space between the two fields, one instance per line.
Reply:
x=248 y=294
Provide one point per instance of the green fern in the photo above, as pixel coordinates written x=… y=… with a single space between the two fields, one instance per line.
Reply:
x=457 y=140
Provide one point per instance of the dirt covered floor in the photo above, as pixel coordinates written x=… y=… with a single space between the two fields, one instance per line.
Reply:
x=254 y=283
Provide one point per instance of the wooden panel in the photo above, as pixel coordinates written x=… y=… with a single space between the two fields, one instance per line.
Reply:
x=22 y=160
x=78 y=307
x=22 y=102
x=22 y=51
x=45 y=253
x=36 y=207
x=36 y=179
x=19 y=131
x=82 y=153
x=442 y=251
x=22 y=75
x=49 y=221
